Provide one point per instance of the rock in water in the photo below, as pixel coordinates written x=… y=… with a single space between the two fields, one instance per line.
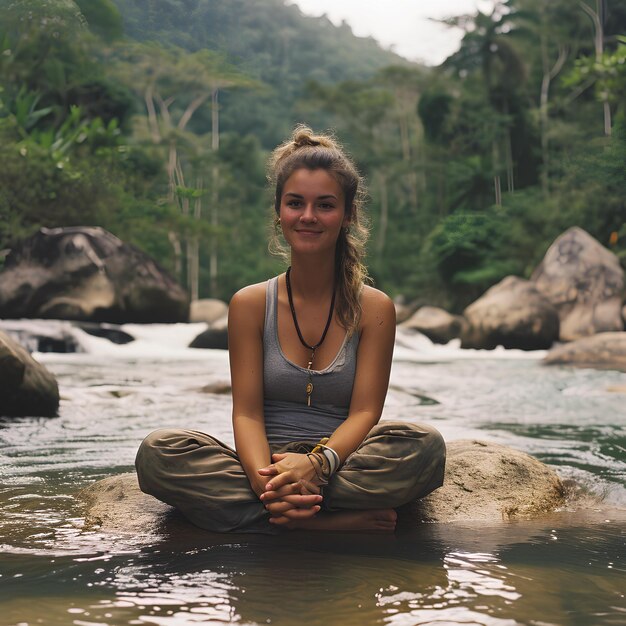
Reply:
x=212 y=338
x=117 y=504
x=87 y=274
x=585 y=282
x=215 y=337
x=208 y=310
x=437 y=324
x=487 y=481
x=484 y=481
x=512 y=314
x=602 y=351
x=26 y=387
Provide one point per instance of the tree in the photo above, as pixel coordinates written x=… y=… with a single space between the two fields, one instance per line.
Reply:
x=174 y=85
x=486 y=52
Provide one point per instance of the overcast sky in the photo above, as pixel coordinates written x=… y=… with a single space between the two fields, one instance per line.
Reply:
x=400 y=24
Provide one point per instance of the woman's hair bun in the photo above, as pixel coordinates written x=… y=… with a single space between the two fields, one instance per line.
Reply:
x=303 y=136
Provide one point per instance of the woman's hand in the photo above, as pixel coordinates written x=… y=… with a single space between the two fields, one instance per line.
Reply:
x=293 y=492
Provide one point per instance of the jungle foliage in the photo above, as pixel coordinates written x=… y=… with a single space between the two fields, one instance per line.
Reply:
x=153 y=119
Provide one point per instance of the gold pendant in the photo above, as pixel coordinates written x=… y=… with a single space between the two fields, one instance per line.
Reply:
x=309 y=391
x=309 y=385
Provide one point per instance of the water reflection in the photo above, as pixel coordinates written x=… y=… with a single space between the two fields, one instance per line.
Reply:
x=469 y=576
x=534 y=573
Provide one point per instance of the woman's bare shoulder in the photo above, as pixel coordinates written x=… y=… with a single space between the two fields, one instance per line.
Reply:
x=252 y=295
x=247 y=307
x=377 y=307
x=249 y=302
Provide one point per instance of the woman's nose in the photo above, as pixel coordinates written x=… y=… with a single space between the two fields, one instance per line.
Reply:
x=308 y=215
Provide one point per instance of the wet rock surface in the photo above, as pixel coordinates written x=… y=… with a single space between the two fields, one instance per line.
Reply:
x=26 y=386
x=87 y=274
x=513 y=314
x=488 y=481
x=484 y=481
x=602 y=351
x=585 y=282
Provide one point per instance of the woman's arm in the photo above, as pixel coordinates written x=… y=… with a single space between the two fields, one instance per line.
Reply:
x=246 y=316
x=376 y=342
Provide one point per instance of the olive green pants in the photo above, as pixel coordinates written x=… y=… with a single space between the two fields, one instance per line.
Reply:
x=203 y=478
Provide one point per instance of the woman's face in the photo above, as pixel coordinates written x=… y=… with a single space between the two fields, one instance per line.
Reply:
x=312 y=211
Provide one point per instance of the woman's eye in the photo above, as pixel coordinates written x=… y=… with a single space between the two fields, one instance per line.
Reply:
x=326 y=206
x=294 y=203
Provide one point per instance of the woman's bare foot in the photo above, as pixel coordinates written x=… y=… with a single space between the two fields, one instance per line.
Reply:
x=377 y=520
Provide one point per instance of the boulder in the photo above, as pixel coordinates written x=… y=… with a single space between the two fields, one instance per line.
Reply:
x=117 y=504
x=483 y=481
x=602 y=351
x=26 y=387
x=211 y=339
x=208 y=310
x=513 y=314
x=437 y=324
x=87 y=274
x=585 y=282
x=215 y=337
x=490 y=482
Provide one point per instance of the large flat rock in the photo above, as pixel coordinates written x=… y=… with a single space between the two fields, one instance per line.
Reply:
x=484 y=481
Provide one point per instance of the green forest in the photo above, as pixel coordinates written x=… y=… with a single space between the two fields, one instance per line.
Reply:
x=154 y=119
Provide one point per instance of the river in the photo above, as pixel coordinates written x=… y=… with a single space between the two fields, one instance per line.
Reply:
x=566 y=568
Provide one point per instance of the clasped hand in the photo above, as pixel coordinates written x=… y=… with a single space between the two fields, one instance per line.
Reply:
x=293 y=490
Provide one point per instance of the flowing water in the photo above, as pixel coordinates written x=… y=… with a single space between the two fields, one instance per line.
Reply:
x=566 y=568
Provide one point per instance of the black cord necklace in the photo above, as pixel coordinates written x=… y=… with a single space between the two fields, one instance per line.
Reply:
x=309 y=386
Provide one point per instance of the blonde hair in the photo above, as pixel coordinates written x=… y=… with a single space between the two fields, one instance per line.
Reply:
x=313 y=152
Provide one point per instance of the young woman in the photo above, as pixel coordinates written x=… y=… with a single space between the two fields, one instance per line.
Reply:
x=310 y=355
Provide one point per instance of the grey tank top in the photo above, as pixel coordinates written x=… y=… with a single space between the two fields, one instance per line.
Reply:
x=287 y=416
